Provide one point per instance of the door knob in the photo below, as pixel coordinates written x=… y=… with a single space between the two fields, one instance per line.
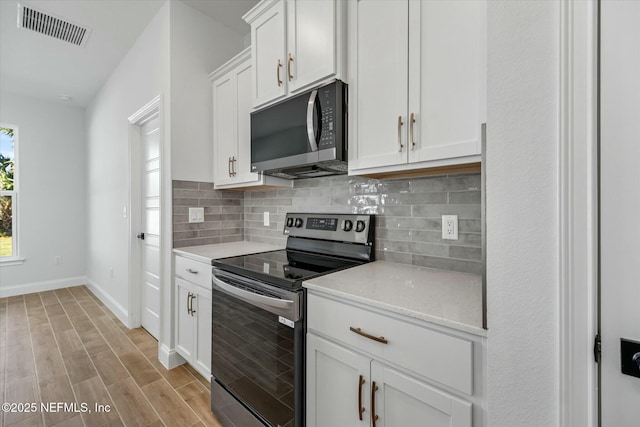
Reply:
x=141 y=236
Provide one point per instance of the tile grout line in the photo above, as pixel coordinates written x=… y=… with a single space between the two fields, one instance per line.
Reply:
x=33 y=353
x=89 y=356
x=144 y=355
x=4 y=357
x=60 y=351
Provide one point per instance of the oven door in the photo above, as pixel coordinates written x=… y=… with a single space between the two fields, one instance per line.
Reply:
x=258 y=347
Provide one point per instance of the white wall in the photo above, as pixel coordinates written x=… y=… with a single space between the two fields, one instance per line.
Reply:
x=142 y=75
x=199 y=45
x=51 y=193
x=173 y=57
x=522 y=214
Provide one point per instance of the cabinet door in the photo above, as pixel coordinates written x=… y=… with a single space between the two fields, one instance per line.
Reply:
x=447 y=78
x=225 y=131
x=202 y=348
x=333 y=385
x=311 y=42
x=379 y=61
x=268 y=38
x=184 y=328
x=401 y=400
x=242 y=166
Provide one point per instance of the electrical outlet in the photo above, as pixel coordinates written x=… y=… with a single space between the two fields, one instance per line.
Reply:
x=450 y=227
x=57 y=260
x=196 y=215
x=266 y=218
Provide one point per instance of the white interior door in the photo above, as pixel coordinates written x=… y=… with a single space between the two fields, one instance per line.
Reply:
x=150 y=295
x=620 y=207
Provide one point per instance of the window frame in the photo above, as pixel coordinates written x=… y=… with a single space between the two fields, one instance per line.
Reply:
x=15 y=258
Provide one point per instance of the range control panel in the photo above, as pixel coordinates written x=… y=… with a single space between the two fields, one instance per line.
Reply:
x=339 y=227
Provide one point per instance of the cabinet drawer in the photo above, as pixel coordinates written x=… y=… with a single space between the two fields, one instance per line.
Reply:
x=194 y=271
x=435 y=355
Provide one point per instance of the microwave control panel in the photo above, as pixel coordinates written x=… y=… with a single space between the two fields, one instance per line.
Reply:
x=330 y=99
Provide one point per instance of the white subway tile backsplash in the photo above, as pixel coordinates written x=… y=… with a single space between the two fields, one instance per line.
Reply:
x=409 y=211
x=408 y=228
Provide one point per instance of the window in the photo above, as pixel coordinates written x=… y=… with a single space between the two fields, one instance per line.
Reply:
x=8 y=193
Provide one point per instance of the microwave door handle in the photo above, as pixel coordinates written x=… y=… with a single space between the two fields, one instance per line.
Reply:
x=311 y=131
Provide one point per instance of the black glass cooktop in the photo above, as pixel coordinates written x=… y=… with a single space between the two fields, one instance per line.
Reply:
x=283 y=268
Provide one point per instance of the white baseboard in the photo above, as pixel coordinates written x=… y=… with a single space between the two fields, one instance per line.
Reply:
x=115 y=307
x=48 y=285
x=169 y=357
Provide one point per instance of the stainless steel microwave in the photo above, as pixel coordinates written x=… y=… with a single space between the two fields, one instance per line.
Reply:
x=304 y=136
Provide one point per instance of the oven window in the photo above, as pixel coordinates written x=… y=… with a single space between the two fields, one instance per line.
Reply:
x=253 y=357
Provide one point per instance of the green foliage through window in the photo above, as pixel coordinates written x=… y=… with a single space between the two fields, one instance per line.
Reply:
x=6 y=163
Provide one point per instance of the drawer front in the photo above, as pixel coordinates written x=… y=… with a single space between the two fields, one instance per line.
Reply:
x=440 y=357
x=195 y=272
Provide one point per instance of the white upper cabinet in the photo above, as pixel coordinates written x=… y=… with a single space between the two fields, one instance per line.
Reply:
x=231 y=85
x=296 y=44
x=381 y=80
x=418 y=93
x=268 y=39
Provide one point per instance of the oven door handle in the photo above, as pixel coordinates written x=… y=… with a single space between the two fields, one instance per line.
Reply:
x=252 y=298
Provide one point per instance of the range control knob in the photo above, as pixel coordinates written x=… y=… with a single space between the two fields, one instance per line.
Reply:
x=360 y=226
x=347 y=225
x=289 y=222
x=298 y=223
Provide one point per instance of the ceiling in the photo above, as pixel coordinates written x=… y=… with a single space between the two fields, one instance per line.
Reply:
x=43 y=67
x=229 y=12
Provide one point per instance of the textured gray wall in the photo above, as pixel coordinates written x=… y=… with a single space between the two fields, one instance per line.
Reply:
x=223 y=214
x=408 y=213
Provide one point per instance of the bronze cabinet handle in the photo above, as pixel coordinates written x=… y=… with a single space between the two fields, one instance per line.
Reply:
x=412 y=121
x=193 y=296
x=189 y=303
x=278 y=73
x=360 y=407
x=192 y=271
x=233 y=165
x=374 y=417
x=400 y=133
x=289 y=61
x=359 y=331
x=229 y=166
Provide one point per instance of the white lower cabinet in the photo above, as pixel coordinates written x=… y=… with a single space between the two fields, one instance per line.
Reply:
x=401 y=400
x=360 y=385
x=193 y=316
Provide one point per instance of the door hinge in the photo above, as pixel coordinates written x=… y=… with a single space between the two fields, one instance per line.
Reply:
x=597 y=348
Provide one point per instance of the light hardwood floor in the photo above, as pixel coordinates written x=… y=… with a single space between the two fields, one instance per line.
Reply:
x=66 y=346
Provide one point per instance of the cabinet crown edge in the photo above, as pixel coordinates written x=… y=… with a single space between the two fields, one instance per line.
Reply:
x=258 y=10
x=243 y=56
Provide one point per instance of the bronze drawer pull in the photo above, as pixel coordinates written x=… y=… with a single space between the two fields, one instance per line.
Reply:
x=360 y=407
x=192 y=271
x=358 y=331
x=374 y=417
x=278 y=73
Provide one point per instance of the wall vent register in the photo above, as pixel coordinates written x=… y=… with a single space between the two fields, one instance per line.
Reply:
x=49 y=25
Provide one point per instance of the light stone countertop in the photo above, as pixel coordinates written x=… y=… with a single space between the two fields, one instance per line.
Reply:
x=442 y=297
x=206 y=253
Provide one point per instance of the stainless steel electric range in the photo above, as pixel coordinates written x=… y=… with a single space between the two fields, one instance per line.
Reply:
x=258 y=330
